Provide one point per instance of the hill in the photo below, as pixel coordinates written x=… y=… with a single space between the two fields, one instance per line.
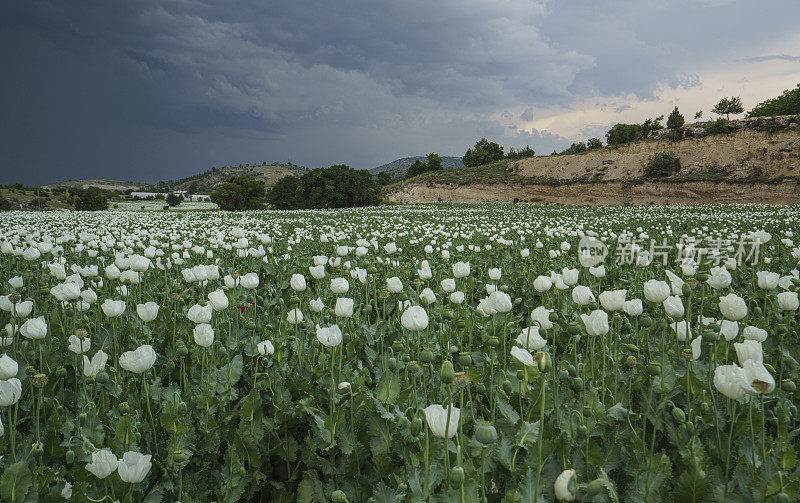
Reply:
x=758 y=161
x=398 y=169
x=206 y=182
x=99 y=182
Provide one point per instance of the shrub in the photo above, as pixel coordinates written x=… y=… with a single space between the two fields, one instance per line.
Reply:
x=662 y=164
x=623 y=133
x=675 y=120
x=173 y=200
x=240 y=193
x=91 y=199
x=594 y=143
x=787 y=103
x=720 y=126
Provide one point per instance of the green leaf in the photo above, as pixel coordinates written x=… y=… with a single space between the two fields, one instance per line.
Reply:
x=385 y=494
x=692 y=485
x=669 y=378
x=618 y=412
x=507 y=410
x=15 y=482
x=388 y=389
x=528 y=433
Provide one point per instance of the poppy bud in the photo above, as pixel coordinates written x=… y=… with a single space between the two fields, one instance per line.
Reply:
x=788 y=385
x=61 y=372
x=679 y=415
x=393 y=363
x=447 y=372
x=594 y=487
x=545 y=362
x=101 y=377
x=426 y=356
x=573 y=372
x=577 y=384
x=653 y=368
x=630 y=361
x=397 y=346
x=457 y=476
x=338 y=496
x=702 y=277
x=486 y=434
x=406 y=358
x=687 y=289
x=493 y=342
x=464 y=359
x=553 y=317
x=507 y=387
x=124 y=407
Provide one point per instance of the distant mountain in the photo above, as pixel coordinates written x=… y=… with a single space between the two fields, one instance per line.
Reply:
x=205 y=183
x=398 y=169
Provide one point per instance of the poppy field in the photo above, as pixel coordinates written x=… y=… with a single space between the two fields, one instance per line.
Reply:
x=434 y=353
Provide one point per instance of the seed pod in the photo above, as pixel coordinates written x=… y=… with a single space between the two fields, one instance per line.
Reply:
x=646 y=321
x=485 y=433
x=460 y=323
x=690 y=428
x=406 y=358
x=679 y=415
x=788 y=385
x=577 y=384
x=702 y=277
x=594 y=487
x=573 y=329
x=397 y=346
x=553 y=317
x=464 y=359
x=493 y=342
x=572 y=370
x=426 y=356
x=69 y=457
x=101 y=377
x=457 y=476
x=757 y=311
x=630 y=361
x=124 y=407
x=37 y=449
x=653 y=368
x=447 y=372
x=61 y=372
x=392 y=363
x=782 y=497
x=507 y=387
x=480 y=389
x=709 y=336
x=545 y=362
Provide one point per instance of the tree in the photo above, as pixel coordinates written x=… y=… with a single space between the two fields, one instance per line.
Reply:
x=240 y=193
x=520 y=154
x=698 y=114
x=594 y=143
x=484 y=152
x=91 y=199
x=728 y=106
x=173 y=199
x=384 y=178
x=787 y=103
x=336 y=186
x=651 y=125
x=434 y=162
x=417 y=168
x=675 y=120
x=620 y=134
x=5 y=204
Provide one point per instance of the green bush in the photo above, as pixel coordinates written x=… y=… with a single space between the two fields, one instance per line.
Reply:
x=336 y=186
x=173 y=199
x=240 y=193
x=623 y=133
x=720 y=126
x=787 y=103
x=91 y=199
x=662 y=164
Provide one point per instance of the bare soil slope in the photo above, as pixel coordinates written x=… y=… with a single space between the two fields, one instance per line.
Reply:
x=756 y=163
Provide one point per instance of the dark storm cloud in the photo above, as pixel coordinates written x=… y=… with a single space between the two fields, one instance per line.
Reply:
x=147 y=90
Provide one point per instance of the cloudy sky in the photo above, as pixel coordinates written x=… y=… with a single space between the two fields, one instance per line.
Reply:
x=146 y=90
